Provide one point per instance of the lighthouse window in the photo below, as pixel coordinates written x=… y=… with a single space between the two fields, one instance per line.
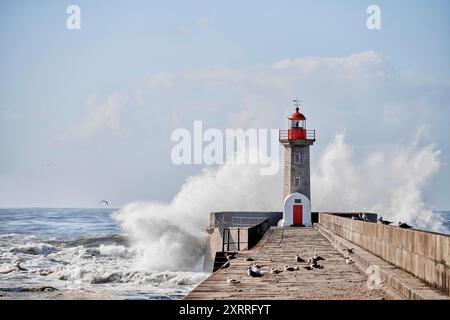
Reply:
x=297 y=157
x=297 y=181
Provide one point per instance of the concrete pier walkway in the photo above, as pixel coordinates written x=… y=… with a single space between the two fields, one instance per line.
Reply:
x=337 y=280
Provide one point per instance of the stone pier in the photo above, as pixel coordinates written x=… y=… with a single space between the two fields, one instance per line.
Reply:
x=410 y=264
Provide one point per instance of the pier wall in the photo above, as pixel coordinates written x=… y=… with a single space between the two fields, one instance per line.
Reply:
x=426 y=255
x=244 y=230
x=227 y=219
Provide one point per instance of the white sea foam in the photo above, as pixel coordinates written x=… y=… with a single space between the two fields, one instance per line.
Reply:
x=35 y=249
x=115 y=251
x=172 y=236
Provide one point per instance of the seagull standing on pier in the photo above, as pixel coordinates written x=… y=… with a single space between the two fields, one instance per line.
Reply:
x=312 y=262
x=288 y=268
x=275 y=271
x=381 y=221
x=348 y=260
x=298 y=258
x=349 y=250
x=254 y=272
x=404 y=225
x=317 y=258
x=232 y=281
x=309 y=267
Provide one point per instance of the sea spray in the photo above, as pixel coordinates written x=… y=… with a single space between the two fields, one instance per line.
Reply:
x=173 y=237
x=389 y=183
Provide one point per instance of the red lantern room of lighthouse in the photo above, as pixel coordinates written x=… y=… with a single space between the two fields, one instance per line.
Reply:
x=297 y=187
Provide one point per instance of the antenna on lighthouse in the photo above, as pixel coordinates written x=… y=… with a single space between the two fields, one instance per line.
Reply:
x=297 y=102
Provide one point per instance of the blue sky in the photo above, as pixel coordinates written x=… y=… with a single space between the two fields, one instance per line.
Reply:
x=85 y=101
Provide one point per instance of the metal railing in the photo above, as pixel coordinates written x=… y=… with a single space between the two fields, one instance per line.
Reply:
x=246 y=221
x=234 y=242
x=257 y=232
x=228 y=241
x=284 y=135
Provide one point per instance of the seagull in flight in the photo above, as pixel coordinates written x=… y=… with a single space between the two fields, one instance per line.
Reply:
x=105 y=202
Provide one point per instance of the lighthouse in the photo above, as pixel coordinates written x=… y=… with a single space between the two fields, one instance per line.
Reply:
x=297 y=186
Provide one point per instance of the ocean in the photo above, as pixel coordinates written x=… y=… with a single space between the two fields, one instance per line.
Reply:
x=48 y=253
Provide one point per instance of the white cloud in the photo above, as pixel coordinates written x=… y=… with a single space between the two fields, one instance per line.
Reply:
x=337 y=92
x=102 y=117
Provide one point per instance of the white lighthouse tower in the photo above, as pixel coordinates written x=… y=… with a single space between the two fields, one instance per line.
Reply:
x=297 y=187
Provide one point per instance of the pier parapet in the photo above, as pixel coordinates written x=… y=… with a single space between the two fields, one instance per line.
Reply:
x=425 y=255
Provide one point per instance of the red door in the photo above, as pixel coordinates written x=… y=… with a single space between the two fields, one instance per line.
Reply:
x=298 y=214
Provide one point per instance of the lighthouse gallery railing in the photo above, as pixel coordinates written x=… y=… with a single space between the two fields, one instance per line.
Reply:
x=284 y=134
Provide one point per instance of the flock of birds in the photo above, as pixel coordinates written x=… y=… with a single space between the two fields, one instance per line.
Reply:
x=255 y=270
x=380 y=220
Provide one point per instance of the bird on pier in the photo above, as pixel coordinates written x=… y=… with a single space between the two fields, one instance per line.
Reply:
x=309 y=267
x=275 y=271
x=229 y=256
x=404 y=225
x=348 y=260
x=232 y=281
x=312 y=262
x=289 y=268
x=381 y=221
x=298 y=258
x=254 y=272
x=317 y=258
x=249 y=259
x=349 y=250
x=257 y=266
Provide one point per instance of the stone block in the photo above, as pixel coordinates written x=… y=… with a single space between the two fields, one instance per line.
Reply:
x=410 y=236
x=419 y=242
x=419 y=266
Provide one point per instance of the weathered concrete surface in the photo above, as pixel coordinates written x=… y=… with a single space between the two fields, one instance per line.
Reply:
x=426 y=255
x=337 y=280
x=403 y=284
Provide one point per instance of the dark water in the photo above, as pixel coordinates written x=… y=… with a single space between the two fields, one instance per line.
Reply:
x=79 y=252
